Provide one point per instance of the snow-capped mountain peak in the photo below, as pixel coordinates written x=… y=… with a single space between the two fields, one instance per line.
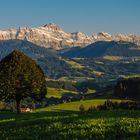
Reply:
x=52 y=26
x=104 y=34
x=53 y=36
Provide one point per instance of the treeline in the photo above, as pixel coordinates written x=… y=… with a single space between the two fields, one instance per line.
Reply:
x=67 y=85
x=128 y=88
x=110 y=105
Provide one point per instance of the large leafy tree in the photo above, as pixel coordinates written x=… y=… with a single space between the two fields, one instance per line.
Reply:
x=21 y=77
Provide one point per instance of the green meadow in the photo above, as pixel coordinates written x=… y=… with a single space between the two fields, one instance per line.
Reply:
x=58 y=92
x=66 y=122
x=71 y=125
x=74 y=106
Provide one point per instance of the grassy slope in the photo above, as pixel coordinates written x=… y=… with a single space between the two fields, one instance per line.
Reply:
x=74 y=64
x=74 y=106
x=101 y=125
x=113 y=58
x=75 y=79
x=57 y=93
x=81 y=79
x=65 y=122
x=91 y=91
x=97 y=73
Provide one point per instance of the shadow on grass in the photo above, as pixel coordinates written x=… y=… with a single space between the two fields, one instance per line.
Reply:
x=37 y=125
x=61 y=115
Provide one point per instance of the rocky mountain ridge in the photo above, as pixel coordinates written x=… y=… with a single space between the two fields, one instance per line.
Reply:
x=53 y=36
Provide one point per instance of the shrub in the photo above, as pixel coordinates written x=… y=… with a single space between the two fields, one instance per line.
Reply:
x=92 y=108
x=82 y=108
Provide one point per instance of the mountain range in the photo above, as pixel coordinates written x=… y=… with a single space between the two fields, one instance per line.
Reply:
x=53 y=36
x=75 y=56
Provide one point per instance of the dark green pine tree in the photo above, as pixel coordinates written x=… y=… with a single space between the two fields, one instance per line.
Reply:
x=21 y=77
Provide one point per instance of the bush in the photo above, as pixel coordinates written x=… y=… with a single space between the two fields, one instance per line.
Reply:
x=92 y=108
x=82 y=108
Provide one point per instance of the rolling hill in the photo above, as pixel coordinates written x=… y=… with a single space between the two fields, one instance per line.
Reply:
x=103 y=48
x=51 y=63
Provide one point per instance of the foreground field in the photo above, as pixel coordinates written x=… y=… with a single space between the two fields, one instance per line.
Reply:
x=100 y=125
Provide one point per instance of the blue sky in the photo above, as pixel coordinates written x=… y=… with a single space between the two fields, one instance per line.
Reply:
x=89 y=16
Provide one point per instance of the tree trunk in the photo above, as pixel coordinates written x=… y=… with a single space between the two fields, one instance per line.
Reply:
x=18 y=106
x=33 y=104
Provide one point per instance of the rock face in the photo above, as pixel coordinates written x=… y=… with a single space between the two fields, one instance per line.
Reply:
x=52 y=36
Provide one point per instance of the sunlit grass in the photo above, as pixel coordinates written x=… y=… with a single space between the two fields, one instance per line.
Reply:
x=99 y=125
x=97 y=73
x=58 y=92
x=74 y=64
x=113 y=58
x=74 y=106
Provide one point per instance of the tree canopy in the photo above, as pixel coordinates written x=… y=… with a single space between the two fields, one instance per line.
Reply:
x=21 y=77
x=128 y=88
